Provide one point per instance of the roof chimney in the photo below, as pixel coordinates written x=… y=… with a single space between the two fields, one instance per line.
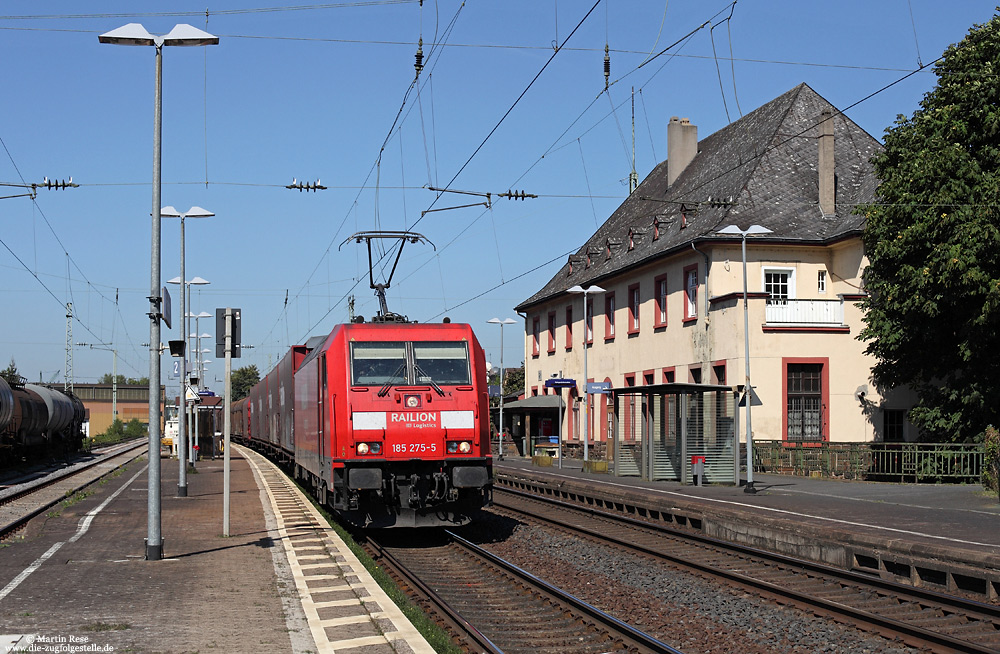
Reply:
x=682 y=146
x=827 y=178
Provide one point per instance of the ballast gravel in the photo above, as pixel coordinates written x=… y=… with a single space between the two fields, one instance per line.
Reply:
x=688 y=612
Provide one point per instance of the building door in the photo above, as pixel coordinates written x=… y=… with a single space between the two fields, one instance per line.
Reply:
x=805 y=402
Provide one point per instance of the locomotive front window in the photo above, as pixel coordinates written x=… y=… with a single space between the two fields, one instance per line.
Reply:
x=378 y=363
x=444 y=362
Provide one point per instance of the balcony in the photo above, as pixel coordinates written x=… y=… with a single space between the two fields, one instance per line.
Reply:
x=804 y=313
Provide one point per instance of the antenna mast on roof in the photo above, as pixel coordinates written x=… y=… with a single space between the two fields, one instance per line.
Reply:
x=633 y=177
x=384 y=315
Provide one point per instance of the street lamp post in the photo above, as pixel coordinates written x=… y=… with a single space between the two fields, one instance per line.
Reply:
x=184 y=451
x=180 y=35
x=193 y=212
x=505 y=321
x=748 y=395
x=199 y=369
x=586 y=390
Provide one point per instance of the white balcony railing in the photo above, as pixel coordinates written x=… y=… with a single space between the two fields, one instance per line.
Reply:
x=805 y=312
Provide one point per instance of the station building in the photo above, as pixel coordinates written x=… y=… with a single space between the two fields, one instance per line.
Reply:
x=672 y=308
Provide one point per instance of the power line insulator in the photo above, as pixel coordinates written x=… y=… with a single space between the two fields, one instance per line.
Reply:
x=58 y=184
x=418 y=63
x=305 y=186
x=607 y=66
x=516 y=195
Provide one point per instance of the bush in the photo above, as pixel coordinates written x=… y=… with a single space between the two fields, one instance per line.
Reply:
x=119 y=432
x=991 y=465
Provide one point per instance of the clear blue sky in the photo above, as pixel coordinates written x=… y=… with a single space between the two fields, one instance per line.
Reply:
x=313 y=92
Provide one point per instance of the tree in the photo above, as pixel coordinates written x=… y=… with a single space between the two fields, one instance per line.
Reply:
x=513 y=381
x=243 y=380
x=931 y=236
x=10 y=373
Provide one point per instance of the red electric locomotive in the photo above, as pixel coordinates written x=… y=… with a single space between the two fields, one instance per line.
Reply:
x=387 y=422
x=391 y=424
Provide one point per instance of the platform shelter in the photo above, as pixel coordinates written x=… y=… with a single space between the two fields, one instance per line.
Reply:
x=660 y=429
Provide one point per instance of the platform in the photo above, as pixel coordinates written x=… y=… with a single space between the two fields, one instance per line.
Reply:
x=76 y=578
x=937 y=536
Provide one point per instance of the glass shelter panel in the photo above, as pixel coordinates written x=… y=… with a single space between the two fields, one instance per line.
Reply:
x=658 y=429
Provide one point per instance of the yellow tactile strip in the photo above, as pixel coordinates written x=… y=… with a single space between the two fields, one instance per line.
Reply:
x=346 y=610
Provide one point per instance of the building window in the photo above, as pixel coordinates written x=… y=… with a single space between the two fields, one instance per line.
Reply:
x=719 y=373
x=821 y=281
x=892 y=425
x=633 y=309
x=569 y=328
x=691 y=293
x=660 y=286
x=609 y=317
x=668 y=375
x=534 y=336
x=552 y=332
x=590 y=321
x=805 y=402
x=779 y=284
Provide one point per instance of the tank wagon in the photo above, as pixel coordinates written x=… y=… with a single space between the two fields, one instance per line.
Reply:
x=38 y=421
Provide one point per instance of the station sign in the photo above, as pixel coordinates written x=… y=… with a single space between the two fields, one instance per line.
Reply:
x=560 y=383
x=598 y=388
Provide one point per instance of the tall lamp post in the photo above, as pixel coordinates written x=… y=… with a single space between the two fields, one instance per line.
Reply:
x=197 y=372
x=193 y=212
x=180 y=35
x=184 y=452
x=748 y=395
x=586 y=389
x=505 y=321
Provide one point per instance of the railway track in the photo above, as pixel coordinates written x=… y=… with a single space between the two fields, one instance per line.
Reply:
x=21 y=502
x=920 y=618
x=498 y=607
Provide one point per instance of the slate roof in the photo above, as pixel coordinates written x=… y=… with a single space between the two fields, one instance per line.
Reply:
x=766 y=163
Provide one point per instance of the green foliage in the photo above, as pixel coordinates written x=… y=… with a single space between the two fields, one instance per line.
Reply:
x=119 y=431
x=108 y=378
x=513 y=383
x=10 y=373
x=243 y=380
x=933 y=312
x=991 y=462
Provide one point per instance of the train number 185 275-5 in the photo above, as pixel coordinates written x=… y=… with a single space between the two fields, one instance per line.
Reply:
x=414 y=448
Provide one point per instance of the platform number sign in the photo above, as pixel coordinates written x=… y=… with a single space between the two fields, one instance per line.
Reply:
x=220 y=333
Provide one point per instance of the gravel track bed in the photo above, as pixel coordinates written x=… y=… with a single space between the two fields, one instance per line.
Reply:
x=691 y=613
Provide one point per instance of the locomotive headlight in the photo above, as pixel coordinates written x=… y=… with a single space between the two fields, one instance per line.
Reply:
x=362 y=448
x=376 y=448
x=465 y=447
x=452 y=447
